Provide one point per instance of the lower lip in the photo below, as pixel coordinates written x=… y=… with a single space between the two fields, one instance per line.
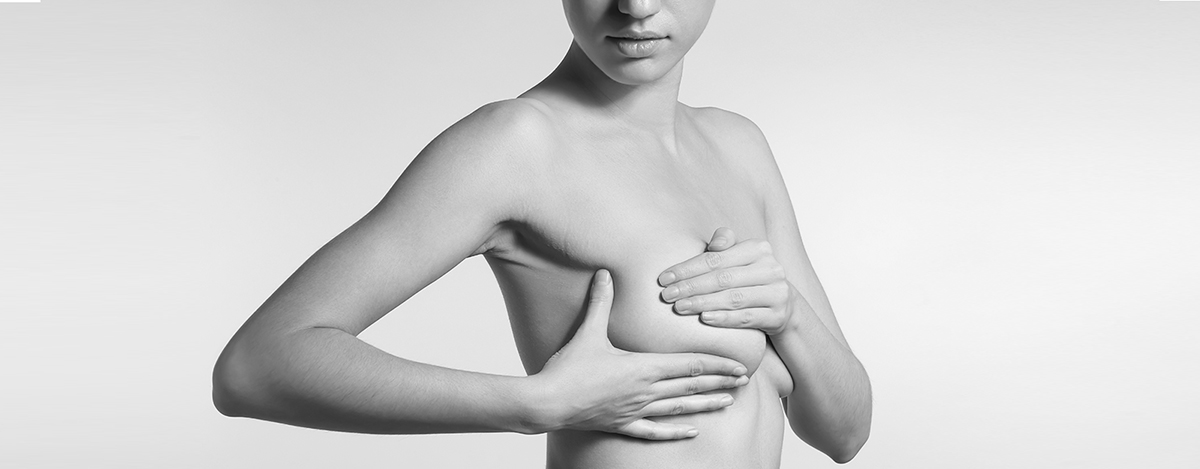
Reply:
x=638 y=48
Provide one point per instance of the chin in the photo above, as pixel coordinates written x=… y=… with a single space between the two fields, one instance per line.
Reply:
x=639 y=72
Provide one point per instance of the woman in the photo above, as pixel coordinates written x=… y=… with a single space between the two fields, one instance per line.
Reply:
x=592 y=196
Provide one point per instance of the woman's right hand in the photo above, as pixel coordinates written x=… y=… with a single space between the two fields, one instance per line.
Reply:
x=591 y=385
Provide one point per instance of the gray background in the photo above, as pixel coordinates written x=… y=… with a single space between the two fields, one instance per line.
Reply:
x=1000 y=198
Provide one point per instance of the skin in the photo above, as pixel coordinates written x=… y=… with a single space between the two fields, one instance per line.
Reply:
x=650 y=262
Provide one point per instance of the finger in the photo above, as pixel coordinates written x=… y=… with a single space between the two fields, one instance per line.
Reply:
x=734 y=298
x=694 y=385
x=722 y=239
x=764 y=319
x=759 y=273
x=651 y=430
x=595 y=321
x=742 y=253
x=687 y=405
x=678 y=365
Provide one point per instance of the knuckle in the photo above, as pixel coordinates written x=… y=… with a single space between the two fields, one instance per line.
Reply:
x=699 y=303
x=725 y=278
x=737 y=298
x=777 y=324
x=598 y=298
x=744 y=320
x=696 y=367
x=686 y=270
x=686 y=287
x=777 y=271
x=771 y=293
x=713 y=259
x=693 y=387
x=678 y=408
x=782 y=291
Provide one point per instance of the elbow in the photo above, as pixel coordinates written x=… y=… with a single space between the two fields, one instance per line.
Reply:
x=841 y=444
x=226 y=403
x=847 y=452
x=225 y=397
x=848 y=447
x=232 y=383
x=256 y=376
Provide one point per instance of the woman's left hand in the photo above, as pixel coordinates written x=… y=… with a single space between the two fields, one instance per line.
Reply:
x=732 y=284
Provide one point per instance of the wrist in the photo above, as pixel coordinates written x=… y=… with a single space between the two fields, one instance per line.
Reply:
x=797 y=306
x=536 y=412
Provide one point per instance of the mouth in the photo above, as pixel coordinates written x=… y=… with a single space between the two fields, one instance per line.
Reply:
x=638 y=44
x=638 y=36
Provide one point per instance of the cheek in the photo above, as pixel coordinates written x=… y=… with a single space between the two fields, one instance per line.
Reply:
x=573 y=22
x=582 y=16
x=695 y=19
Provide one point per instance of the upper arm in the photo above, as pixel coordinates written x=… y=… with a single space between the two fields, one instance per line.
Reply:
x=441 y=210
x=783 y=231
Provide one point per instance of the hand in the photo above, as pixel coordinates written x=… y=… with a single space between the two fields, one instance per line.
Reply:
x=732 y=284
x=592 y=385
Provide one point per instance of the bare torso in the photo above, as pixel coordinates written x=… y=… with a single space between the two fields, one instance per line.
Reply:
x=614 y=198
x=596 y=167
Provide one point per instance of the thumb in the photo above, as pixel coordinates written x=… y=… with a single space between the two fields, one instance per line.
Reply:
x=600 y=295
x=722 y=239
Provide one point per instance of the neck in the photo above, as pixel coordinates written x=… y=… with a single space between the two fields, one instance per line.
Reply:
x=649 y=107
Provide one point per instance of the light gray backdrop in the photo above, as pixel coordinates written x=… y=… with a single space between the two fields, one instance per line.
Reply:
x=1000 y=198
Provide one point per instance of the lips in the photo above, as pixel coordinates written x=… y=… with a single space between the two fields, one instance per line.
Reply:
x=639 y=35
x=638 y=44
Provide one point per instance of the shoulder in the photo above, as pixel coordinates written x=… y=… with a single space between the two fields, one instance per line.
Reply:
x=480 y=164
x=492 y=146
x=730 y=125
x=514 y=128
x=739 y=138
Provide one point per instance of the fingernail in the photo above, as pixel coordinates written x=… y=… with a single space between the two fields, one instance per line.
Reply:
x=709 y=316
x=670 y=293
x=727 y=400
x=666 y=278
x=682 y=305
x=742 y=380
x=693 y=432
x=719 y=242
x=741 y=370
x=604 y=277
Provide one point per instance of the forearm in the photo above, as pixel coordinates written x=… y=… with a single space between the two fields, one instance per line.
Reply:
x=327 y=378
x=830 y=403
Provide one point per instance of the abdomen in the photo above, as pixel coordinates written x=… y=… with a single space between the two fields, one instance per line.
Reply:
x=748 y=434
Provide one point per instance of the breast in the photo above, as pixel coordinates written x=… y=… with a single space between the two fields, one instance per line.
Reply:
x=635 y=234
x=641 y=322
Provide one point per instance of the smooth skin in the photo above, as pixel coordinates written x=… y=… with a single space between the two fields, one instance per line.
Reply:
x=670 y=388
x=580 y=194
x=322 y=377
x=743 y=285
